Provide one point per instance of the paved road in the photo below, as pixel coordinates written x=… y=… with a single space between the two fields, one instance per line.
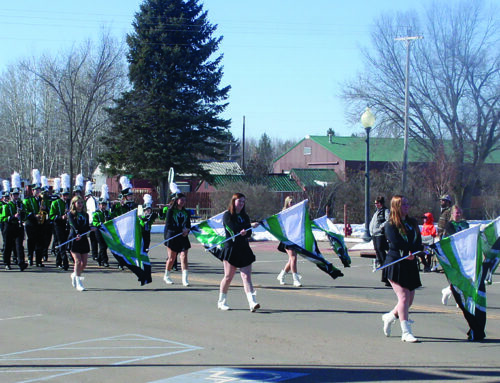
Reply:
x=327 y=331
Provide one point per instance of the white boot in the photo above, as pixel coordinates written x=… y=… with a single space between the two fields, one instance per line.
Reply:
x=281 y=277
x=185 y=281
x=389 y=319
x=79 y=285
x=222 y=303
x=167 y=279
x=446 y=295
x=73 y=279
x=407 y=336
x=296 y=280
x=252 y=302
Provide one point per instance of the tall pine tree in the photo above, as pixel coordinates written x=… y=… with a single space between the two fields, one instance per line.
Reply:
x=171 y=115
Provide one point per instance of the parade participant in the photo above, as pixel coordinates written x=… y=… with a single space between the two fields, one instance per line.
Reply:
x=34 y=230
x=78 y=187
x=236 y=252
x=13 y=215
x=44 y=223
x=3 y=201
x=377 y=233
x=403 y=235
x=125 y=205
x=146 y=221
x=455 y=224
x=98 y=218
x=291 y=265
x=79 y=224
x=91 y=205
x=59 y=216
x=178 y=223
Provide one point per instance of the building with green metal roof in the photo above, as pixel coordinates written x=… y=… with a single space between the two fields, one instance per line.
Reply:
x=349 y=153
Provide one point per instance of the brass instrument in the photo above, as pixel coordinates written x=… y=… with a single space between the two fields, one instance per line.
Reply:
x=41 y=217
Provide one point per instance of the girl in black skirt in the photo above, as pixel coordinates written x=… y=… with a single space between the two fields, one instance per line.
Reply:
x=78 y=220
x=236 y=252
x=178 y=223
x=403 y=235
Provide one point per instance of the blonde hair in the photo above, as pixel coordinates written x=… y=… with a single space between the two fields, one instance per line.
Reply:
x=454 y=208
x=395 y=217
x=72 y=205
x=288 y=200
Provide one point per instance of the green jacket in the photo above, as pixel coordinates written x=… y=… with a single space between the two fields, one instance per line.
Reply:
x=32 y=208
x=99 y=217
x=57 y=210
x=9 y=210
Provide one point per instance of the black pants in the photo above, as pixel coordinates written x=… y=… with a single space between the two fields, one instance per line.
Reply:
x=146 y=240
x=61 y=235
x=476 y=321
x=102 y=256
x=94 y=245
x=381 y=247
x=14 y=238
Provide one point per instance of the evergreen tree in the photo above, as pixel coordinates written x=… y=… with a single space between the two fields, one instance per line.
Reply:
x=170 y=117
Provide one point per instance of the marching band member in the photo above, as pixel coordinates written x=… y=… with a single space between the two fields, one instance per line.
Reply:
x=100 y=216
x=91 y=204
x=78 y=188
x=59 y=216
x=146 y=220
x=5 y=198
x=33 y=224
x=125 y=205
x=13 y=215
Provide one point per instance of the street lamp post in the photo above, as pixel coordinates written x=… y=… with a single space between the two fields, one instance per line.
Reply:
x=367 y=120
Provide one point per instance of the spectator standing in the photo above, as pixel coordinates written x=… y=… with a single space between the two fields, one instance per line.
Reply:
x=380 y=217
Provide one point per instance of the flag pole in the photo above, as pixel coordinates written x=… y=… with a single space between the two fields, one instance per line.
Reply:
x=72 y=239
x=227 y=239
x=399 y=260
x=168 y=239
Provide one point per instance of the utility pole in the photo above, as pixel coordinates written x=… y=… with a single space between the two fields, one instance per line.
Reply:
x=408 y=41
x=243 y=146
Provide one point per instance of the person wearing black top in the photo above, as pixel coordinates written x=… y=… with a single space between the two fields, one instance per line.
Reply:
x=178 y=225
x=79 y=224
x=236 y=252
x=403 y=235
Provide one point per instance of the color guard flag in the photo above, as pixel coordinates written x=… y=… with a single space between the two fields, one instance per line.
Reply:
x=460 y=256
x=293 y=227
x=210 y=233
x=336 y=239
x=123 y=236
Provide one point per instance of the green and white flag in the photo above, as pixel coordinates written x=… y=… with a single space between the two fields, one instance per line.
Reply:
x=293 y=227
x=336 y=239
x=123 y=236
x=490 y=237
x=460 y=256
x=210 y=233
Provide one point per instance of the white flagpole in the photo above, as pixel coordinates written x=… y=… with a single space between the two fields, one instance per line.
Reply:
x=72 y=239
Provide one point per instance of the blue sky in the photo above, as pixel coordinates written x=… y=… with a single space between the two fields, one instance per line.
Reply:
x=285 y=59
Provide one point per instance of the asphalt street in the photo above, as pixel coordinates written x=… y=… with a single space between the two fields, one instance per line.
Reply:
x=326 y=331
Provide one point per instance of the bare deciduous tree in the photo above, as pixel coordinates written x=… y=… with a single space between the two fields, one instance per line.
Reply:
x=455 y=82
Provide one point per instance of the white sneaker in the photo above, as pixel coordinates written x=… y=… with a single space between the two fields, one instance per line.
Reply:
x=446 y=295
